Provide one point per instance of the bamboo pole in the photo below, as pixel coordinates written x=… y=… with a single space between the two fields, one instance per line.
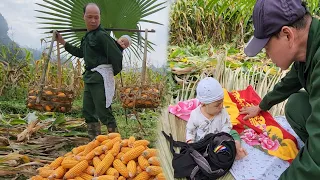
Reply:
x=107 y=29
x=59 y=65
x=144 y=64
x=42 y=81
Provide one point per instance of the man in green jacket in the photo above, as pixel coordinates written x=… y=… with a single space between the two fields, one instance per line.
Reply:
x=291 y=36
x=103 y=60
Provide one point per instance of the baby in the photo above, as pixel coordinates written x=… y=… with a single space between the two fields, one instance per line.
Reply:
x=123 y=42
x=211 y=116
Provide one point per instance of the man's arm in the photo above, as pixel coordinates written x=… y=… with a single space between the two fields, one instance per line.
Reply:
x=282 y=90
x=111 y=51
x=75 y=51
x=307 y=163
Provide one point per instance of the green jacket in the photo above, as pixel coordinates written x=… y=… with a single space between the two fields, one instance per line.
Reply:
x=97 y=47
x=303 y=75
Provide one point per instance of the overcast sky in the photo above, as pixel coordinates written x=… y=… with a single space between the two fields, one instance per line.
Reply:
x=20 y=16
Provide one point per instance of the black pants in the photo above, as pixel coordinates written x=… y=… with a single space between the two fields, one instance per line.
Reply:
x=94 y=103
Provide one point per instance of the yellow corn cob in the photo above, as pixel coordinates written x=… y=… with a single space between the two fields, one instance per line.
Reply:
x=104 y=165
x=154 y=170
x=56 y=163
x=86 y=176
x=89 y=147
x=105 y=141
x=143 y=162
x=148 y=153
x=69 y=163
x=121 y=168
x=76 y=170
x=105 y=177
x=119 y=155
x=154 y=161
x=121 y=178
x=78 y=149
x=139 y=170
x=113 y=135
x=68 y=154
x=102 y=156
x=113 y=172
x=78 y=178
x=80 y=158
x=112 y=142
x=100 y=149
x=142 y=176
x=58 y=173
x=124 y=143
x=125 y=149
x=102 y=138
x=131 y=141
x=141 y=142
x=45 y=172
x=160 y=176
x=115 y=149
x=132 y=168
x=132 y=154
x=89 y=170
x=96 y=161
x=90 y=155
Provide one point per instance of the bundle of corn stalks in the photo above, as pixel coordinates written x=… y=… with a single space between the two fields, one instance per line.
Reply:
x=140 y=97
x=52 y=100
x=108 y=157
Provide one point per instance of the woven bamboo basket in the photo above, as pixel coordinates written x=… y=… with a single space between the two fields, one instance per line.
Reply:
x=48 y=98
x=143 y=95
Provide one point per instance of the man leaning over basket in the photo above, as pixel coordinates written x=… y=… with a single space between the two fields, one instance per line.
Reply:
x=290 y=35
x=103 y=60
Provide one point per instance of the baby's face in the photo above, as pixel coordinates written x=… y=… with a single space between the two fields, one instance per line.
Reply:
x=215 y=107
x=123 y=42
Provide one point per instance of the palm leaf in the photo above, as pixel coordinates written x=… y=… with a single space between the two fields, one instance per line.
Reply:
x=67 y=14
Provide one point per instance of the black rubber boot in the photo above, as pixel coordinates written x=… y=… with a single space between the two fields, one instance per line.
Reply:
x=94 y=129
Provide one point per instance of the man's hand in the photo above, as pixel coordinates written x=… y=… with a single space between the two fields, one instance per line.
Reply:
x=250 y=112
x=60 y=39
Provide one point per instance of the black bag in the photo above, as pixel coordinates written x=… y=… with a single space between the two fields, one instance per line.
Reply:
x=210 y=158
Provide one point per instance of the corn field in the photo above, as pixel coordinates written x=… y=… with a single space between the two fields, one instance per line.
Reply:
x=215 y=21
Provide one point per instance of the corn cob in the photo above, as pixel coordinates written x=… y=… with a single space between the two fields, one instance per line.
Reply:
x=132 y=168
x=148 y=153
x=86 y=176
x=125 y=149
x=154 y=161
x=121 y=168
x=119 y=155
x=56 y=163
x=79 y=149
x=69 y=163
x=105 y=177
x=121 y=178
x=154 y=170
x=102 y=156
x=96 y=161
x=113 y=172
x=90 y=155
x=76 y=170
x=143 y=162
x=114 y=135
x=46 y=172
x=99 y=150
x=131 y=141
x=142 y=176
x=69 y=154
x=102 y=138
x=132 y=154
x=104 y=165
x=140 y=142
x=115 y=149
x=160 y=176
x=112 y=142
x=37 y=177
x=105 y=141
x=58 y=173
x=89 y=170
x=93 y=144
x=78 y=178
x=124 y=143
x=139 y=170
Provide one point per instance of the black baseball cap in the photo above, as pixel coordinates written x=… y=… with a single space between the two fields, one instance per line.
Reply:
x=269 y=16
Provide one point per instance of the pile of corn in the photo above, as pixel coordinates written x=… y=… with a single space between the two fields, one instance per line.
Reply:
x=108 y=157
x=140 y=97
